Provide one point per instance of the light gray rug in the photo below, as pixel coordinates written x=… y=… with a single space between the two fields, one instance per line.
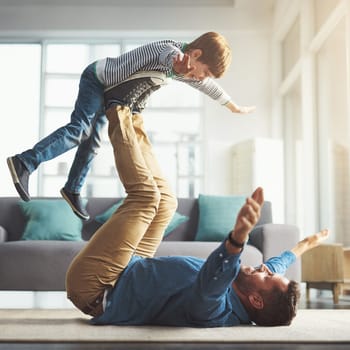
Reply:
x=40 y=325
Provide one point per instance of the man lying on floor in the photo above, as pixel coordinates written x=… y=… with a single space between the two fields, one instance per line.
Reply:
x=116 y=279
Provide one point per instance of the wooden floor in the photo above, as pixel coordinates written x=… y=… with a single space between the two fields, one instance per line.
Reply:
x=324 y=300
x=319 y=301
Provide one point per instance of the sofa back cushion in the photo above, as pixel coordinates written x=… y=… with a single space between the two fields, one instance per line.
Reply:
x=13 y=220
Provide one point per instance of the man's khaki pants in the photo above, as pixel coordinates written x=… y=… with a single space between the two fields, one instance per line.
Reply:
x=137 y=227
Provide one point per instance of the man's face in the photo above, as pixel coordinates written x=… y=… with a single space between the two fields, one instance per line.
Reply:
x=252 y=279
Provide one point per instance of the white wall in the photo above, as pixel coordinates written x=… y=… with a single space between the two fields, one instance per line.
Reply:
x=246 y=26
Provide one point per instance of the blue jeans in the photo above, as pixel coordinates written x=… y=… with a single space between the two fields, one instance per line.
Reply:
x=87 y=120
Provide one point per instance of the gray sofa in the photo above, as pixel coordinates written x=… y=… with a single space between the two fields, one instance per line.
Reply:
x=41 y=265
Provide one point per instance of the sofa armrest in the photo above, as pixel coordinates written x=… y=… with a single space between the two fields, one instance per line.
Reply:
x=3 y=235
x=273 y=239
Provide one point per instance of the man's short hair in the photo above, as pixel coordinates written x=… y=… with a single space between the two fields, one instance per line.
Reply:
x=280 y=307
x=216 y=52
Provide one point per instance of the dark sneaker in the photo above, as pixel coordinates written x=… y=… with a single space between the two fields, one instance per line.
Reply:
x=132 y=89
x=76 y=203
x=20 y=177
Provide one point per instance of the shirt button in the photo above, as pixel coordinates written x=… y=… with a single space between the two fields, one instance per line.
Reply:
x=215 y=278
x=226 y=261
x=221 y=255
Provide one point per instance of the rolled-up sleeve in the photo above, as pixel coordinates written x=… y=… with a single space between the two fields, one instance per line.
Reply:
x=280 y=264
x=212 y=285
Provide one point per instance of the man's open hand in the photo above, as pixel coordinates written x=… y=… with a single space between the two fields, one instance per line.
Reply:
x=310 y=242
x=247 y=217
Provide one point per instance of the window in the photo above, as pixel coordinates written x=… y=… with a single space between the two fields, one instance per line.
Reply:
x=322 y=9
x=314 y=104
x=291 y=48
x=20 y=104
x=172 y=119
x=331 y=62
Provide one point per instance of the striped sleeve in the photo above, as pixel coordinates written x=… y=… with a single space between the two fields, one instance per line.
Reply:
x=155 y=56
x=209 y=87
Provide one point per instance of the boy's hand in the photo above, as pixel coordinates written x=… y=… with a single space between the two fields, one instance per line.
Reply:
x=182 y=66
x=247 y=218
x=246 y=109
x=239 y=109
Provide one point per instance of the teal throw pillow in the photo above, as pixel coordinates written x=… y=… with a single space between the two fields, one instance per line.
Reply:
x=217 y=216
x=50 y=219
x=176 y=220
x=103 y=217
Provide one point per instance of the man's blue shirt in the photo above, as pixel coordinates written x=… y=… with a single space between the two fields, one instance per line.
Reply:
x=181 y=291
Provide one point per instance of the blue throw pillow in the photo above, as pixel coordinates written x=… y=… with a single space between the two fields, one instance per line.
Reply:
x=176 y=220
x=50 y=219
x=217 y=216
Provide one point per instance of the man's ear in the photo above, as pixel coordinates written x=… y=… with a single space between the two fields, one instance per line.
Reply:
x=256 y=300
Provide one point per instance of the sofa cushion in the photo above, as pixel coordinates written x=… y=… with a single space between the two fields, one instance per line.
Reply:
x=250 y=255
x=217 y=216
x=3 y=234
x=50 y=219
x=176 y=220
x=36 y=265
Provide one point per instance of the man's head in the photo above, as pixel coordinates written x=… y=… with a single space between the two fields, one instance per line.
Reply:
x=270 y=299
x=212 y=50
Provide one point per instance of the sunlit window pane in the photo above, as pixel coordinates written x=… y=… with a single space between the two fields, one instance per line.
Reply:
x=102 y=51
x=104 y=162
x=61 y=92
x=20 y=104
x=176 y=94
x=189 y=159
x=55 y=118
x=333 y=114
x=189 y=187
x=166 y=156
x=59 y=166
x=104 y=187
x=66 y=58
x=323 y=9
x=172 y=125
x=291 y=48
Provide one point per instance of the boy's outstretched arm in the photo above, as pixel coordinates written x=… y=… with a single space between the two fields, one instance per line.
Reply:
x=233 y=107
x=309 y=243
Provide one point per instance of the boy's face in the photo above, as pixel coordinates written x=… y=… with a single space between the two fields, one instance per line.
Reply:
x=199 y=70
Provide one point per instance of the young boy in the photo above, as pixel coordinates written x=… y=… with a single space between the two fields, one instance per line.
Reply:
x=196 y=64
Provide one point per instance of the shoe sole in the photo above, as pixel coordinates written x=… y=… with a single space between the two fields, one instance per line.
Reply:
x=21 y=191
x=75 y=210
